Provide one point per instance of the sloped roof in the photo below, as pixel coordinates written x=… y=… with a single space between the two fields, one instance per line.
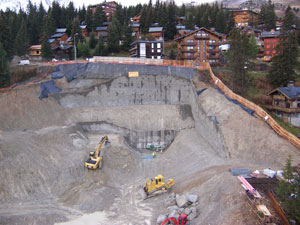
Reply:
x=135 y=25
x=200 y=29
x=37 y=47
x=82 y=26
x=51 y=40
x=104 y=34
x=58 y=35
x=180 y=27
x=61 y=30
x=270 y=34
x=101 y=28
x=289 y=92
x=155 y=29
x=106 y=23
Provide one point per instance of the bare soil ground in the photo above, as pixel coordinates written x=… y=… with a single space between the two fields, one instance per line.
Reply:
x=43 y=149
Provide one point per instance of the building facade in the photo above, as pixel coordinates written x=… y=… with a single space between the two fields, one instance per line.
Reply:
x=34 y=52
x=243 y=18
x=201 y=46
x=147 y=49
x=269 y=42
x=156 y=32
x=286 y=103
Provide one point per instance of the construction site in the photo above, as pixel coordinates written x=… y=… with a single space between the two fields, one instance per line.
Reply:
x=167 y=120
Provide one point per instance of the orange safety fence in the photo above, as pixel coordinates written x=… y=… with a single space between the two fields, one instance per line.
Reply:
x=257 y=109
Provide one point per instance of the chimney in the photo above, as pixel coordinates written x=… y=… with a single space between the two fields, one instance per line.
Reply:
x=290 y=84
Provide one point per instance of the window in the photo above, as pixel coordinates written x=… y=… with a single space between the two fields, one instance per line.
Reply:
x=198 y=42
x=198 y=48
x=190 y=47
x=152 y=45
x=268 y=46
x=158 y=45
x=274 y=52
x=190 y=41
x=203 y=48
x=203 y=55
x=267 y=40
x=204 y=42
x=159 y=57
x=203 y=60
x=288 y=105
x=37 y=52
x=267 y=52
x=152 y=57
x=152 y=50
x=158 y=50
x=298 y=105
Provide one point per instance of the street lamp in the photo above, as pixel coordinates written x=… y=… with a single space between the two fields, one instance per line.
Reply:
x=75 y=53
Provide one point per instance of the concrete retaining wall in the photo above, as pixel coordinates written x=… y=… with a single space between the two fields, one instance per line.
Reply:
x=124 y=91
x=108 y=70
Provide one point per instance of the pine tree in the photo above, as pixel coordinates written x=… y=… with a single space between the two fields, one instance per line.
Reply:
x=288 y=20
x=170 y=30
x=143 y=20
x=127 y=37
x=221 y=22
x=238 y=57
x=6 y=37
x=284 y=63
x=21 y=42
x=288 y=191
x=149 y=17
x=93 y=41
x=99 y=17
x=83 y=50
x=82 y=13
x=114 y=36
x=267 y=15
x=189 y=23
x=89 y=19
x=46 y=48
x=4 y=68
x=76 y=29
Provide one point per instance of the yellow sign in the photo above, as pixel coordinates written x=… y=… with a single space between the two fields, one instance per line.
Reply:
x=133 y=74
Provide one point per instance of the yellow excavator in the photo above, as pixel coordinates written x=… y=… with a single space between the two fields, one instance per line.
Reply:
x=95 y=160
x=157 y=186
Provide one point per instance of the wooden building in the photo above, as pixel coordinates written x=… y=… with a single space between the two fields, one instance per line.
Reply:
x=156 y=32
x=109 y=8
x=243 y=18
x=136 y=19
x=60 y=37
x=103 y=32
x=84 y=31
x=201 y=46
x=147 y=49
x=286 y=103
x=34 y=52
x=269 y=42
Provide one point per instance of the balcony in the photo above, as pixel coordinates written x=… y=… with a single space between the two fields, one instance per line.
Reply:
x=188 y=50
x=216 y=50
x=188 y=44
x=132 y=49
x=282 y=109
x=201 y=36
x=188 y=57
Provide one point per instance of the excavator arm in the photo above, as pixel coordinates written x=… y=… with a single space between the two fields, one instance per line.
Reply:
x=103 y=140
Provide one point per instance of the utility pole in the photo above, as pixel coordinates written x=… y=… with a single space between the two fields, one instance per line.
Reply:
x=75 y=53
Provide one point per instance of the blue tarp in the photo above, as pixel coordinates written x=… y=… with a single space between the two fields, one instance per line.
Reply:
x=250 y=111
x=214 y=118
x=48 y=87
x=57 y=74
x=71 y=77
x=200 y=91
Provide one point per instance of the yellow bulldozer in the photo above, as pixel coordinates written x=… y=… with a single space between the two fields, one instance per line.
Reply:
x=95 y=160
x=157 y=186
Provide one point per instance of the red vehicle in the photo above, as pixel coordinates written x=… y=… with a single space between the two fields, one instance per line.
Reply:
x=182 y=220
